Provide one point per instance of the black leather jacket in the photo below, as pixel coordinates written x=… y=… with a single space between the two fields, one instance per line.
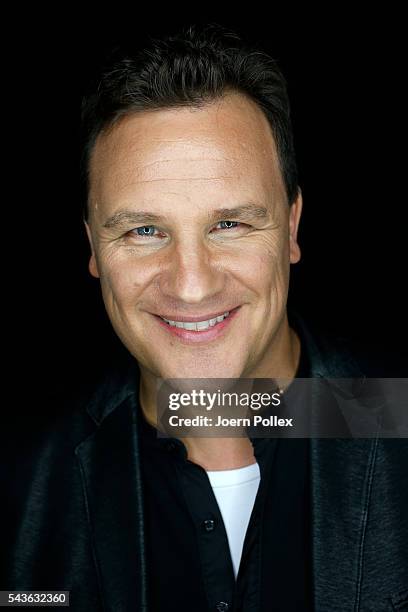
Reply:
x=74 y=500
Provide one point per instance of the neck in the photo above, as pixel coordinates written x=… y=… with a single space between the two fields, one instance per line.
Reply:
x=281 y=358
x=231 y=453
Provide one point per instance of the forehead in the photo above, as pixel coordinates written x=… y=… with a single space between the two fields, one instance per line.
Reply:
x=226 y=145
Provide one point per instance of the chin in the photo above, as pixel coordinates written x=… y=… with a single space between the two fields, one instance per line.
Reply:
x=198 y=369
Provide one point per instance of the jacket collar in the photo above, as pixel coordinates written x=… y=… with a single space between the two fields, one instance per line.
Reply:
x=120 y=383
x=329 y=358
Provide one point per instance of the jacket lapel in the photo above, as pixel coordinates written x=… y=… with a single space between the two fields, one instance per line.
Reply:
x=110 y=472
x=341 y=475
x=341 y=472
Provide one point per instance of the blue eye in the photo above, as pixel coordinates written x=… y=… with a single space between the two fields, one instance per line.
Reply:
x=145 y=230
x=229 y=224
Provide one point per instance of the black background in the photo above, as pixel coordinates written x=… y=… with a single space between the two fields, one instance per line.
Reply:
x=345 y=77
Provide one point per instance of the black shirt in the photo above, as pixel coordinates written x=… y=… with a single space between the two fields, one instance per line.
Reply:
x=188 y=557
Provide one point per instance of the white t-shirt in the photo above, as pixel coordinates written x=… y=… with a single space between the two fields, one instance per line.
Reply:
x=235 y=492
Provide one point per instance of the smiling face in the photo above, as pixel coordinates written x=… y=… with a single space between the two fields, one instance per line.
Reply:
x=188 y=221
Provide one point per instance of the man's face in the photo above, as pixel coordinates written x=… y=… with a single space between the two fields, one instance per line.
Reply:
x=165 y=245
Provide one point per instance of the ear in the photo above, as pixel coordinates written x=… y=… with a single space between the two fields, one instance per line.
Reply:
x=294 y=218
x=92 y=266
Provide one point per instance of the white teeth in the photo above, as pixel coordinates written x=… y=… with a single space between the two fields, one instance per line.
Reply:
x=190 y=326
x=199 y=325
x=202 y=325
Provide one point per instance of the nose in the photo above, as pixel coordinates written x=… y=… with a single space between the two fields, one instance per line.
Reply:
x=194 y=275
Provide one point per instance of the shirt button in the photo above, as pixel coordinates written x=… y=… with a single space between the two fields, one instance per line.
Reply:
x=209 y=525
x=222 y=606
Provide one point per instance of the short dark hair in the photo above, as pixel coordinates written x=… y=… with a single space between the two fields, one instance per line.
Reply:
x=190 y=68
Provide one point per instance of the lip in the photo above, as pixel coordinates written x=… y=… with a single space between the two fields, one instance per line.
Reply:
x=205 y=317
x=187 y=336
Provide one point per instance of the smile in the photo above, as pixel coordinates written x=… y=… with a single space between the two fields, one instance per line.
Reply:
x=197 y=325
x=198 y=329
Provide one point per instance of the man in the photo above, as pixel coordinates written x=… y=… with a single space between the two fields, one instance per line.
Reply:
x=192 y=216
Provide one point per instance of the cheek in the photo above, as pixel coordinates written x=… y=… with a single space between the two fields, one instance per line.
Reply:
x=122 y=279
x=265 y=266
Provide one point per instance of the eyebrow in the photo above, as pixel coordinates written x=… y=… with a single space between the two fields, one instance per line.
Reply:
x=124 y=217
x=245 y=212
